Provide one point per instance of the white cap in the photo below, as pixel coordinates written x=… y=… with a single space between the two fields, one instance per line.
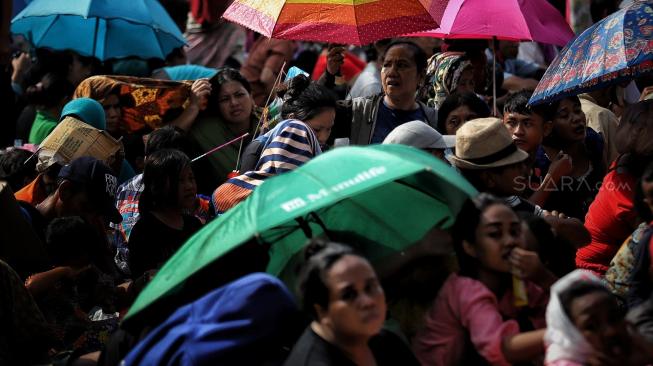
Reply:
x=420 y=135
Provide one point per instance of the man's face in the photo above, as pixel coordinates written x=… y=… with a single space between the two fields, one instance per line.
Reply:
x=527 y=130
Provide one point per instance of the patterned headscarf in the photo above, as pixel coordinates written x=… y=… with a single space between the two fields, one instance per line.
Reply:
x=442 y=76
x=287 y=146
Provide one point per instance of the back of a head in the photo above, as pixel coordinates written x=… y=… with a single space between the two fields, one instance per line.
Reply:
x=161 y=179
x=635 y=131
x=319 y=256
x=50 y=91
x=305 y=99
x=70 y=237
x=416 y=134
x=167 y=137
x=17 y=168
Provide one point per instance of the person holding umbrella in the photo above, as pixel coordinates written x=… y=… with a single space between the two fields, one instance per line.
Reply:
x=370 y=120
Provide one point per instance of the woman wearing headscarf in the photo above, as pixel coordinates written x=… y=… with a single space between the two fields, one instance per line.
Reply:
x=447 y=73
x=290 y=144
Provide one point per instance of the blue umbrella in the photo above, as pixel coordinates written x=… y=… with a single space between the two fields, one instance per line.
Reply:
x=617 y=48
x=101 y=28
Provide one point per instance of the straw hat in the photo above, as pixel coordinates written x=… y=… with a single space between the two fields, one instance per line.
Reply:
x=485 y=143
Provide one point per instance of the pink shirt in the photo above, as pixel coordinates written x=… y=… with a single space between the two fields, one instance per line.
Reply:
x=465 y=308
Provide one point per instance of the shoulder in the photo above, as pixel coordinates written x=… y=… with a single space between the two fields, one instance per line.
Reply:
x=310 y=349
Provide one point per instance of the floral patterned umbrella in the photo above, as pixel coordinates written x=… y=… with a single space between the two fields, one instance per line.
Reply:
x=618 y=48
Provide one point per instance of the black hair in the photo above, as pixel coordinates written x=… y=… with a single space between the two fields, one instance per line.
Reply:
x=226 y=75
x=550 y=111
x=455 y=100
x=320 y=255
x=52 y=90
x=464 y=229
x=518 y=103
x=557 y=254
x=161 y=179
x=419 y=56
x=601 y=8
x=305 y=99
x=577 y=290
x=641 y=207
x=222 y=77
x=16 y=167
x=167 y=137
x=638 y=115
x=71 y=237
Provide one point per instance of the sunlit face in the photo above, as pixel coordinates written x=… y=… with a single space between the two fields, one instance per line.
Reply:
x=399 y=75
x=457 y=118
x=569 y=123
x=497 y=234
x=112 y=113
x=357 y=305
x=322 y=123
x=599 y=319
x=187 y=189
x=527 y=130
x=235 y=103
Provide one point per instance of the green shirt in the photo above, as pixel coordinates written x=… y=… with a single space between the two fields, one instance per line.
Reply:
x=43 y=124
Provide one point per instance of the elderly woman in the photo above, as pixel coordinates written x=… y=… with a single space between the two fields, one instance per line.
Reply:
x=370 y=120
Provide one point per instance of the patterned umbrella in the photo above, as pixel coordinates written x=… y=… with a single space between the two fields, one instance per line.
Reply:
x=618 y=48
x=336 y=21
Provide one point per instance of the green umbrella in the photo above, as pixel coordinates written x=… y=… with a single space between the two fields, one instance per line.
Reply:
x=387 y=196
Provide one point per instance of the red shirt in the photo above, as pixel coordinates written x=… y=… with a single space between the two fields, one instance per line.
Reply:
x=610 y=221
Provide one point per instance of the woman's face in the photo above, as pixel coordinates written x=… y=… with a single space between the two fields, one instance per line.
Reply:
x=112 y=113
x=356 y=299
x=187 y=194
x=322 y=123
x=466 y=81
x=569 y=123
x=235 y=103
x=498 y=233
x=399 y=75
x=598 y=318
x=457 y=118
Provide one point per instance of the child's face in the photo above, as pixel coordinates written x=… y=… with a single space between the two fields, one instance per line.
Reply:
x=527 y=130
x=498 y=233
x=569 y=123
x=187 y=194
x=598 y=318
x=457 y=118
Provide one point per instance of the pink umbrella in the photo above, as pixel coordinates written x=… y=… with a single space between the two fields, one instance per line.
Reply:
x=518 y=20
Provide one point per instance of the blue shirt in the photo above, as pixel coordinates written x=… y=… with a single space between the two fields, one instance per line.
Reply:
x=387 y=119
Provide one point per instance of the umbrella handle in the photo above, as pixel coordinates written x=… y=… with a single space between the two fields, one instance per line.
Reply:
x=494 y=78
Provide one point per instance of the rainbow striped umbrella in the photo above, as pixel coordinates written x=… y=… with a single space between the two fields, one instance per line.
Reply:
x=337 y=21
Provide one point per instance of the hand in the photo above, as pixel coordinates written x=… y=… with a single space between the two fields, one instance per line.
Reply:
x=646 y=93
x=335 y=59
x=526 y=265
x=199 y=93
x=553 y=214
x=561 y=166
x=20 y=65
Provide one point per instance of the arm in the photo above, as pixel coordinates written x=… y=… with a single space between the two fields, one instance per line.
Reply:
x=200 y=91
x=335 y=59
x=39 y=283
x=570 y=229
x=523 y=346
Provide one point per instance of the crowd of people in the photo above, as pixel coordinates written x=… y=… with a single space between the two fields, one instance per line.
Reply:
x=550 y=264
